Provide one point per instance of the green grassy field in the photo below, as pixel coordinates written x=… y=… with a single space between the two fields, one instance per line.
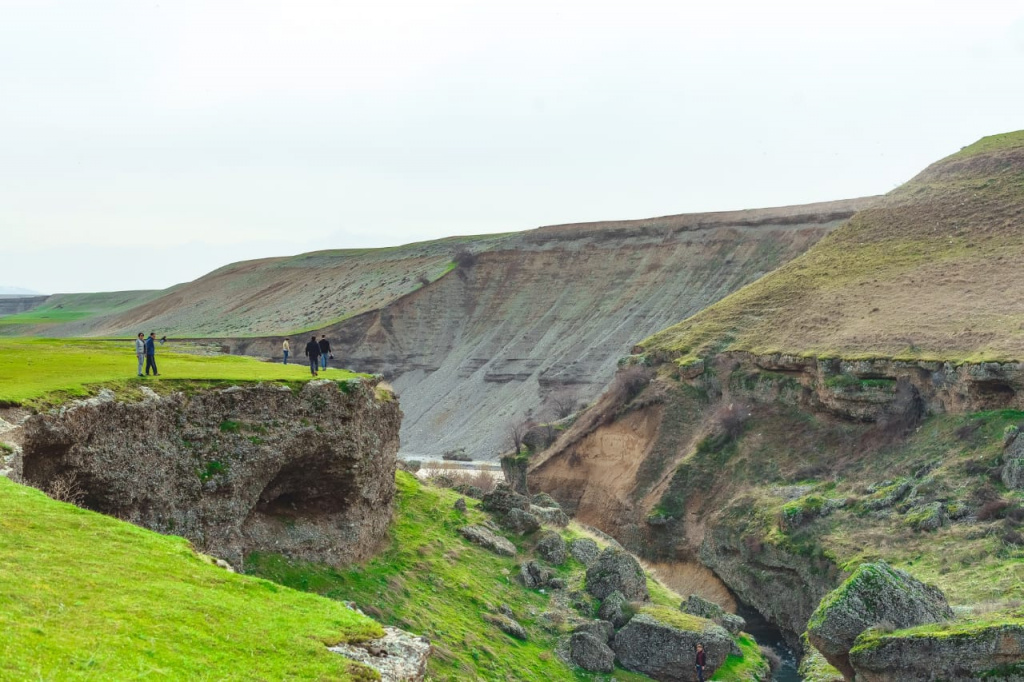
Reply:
x=87 y=597
x=46 y=370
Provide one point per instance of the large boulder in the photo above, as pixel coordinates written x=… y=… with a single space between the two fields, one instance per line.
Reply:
x=397 y=655
x=615 y=609
x=953 y=653
x=1013 y=472
x=503 y=499
x=519 y=521
x=553 y=516
x=488 y=540
x=551 y=548
x=698 y=606
x=873 y=595
x=584 y=550
x=661 y=643
x=535 y=576
x=617 y=570
x=601 y=629
x=589 y=653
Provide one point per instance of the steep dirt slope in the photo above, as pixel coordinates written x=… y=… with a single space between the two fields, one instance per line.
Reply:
x=931 y=272
x=551 y=312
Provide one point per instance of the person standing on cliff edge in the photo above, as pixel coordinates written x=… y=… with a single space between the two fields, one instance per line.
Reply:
x=151 y=354
x=140 y=350
x=313 y=353
x=700 y=662
x=285 y=348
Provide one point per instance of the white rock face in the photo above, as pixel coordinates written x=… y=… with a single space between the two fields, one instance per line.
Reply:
x=398 y=656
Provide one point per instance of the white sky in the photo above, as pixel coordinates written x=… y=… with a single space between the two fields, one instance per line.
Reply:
x=145 y=143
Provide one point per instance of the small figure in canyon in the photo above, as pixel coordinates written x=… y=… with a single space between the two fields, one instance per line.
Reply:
x=151 y=354
x=700 y=662
x=313 y=353
x=286 y=348
x=140 y=350
x=325 y=350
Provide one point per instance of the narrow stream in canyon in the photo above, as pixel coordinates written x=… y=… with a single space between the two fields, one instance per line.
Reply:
x=770 y=636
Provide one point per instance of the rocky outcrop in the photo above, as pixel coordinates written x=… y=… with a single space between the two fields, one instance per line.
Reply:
x=957 y=653
x=305 y=472
x=584 y=550
x=600 y=629
x=510 y=626
x=872 y=595
x=590 y=653
x=617 y=571
x=551 y=547
x=661 y=643
x=698 y=606
x=615 y=609
x=487 y=539
x=398 y=656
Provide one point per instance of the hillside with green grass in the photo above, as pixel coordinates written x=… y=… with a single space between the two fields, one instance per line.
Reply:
x=932 y=272
x=87 y=597
x=60 y=310
x=41 y=371
x=430 y=580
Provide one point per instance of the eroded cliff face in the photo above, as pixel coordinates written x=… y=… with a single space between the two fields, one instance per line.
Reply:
x=307 y=472
x=714 y=462
x=547 y=314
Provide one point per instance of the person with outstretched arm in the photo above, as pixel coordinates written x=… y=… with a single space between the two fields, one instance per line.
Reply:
x=140 y=350
x=313 y=353
x=151 y=354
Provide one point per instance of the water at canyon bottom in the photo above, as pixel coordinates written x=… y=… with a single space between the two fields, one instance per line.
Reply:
x=770 y=636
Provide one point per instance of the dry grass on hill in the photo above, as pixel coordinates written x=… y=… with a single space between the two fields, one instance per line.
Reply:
x=933 y=272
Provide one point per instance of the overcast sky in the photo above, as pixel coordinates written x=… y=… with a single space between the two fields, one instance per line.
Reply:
x=145 y=143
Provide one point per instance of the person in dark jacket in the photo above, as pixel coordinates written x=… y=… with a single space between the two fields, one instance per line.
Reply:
x=325 y=350
x=151 y=354
x=700 y=662
x=313 y=353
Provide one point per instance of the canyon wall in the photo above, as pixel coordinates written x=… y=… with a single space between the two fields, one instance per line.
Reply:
x=307 y=472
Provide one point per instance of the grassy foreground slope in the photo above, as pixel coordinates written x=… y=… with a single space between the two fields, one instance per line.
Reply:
x=933 y=272
x=87 y=597
x=430 y=580
x=31 y=369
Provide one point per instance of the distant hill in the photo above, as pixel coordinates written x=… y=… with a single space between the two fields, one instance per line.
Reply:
x=933 y=271
x=18 y=291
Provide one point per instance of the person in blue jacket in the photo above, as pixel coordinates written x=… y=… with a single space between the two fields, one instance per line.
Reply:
x=151 y=354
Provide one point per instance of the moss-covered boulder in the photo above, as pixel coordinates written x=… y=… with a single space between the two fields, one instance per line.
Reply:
x=590 y=653
x=661 y=642
x=874 y=594
x=616 y=569
x=957 y=652
x=814 y=667
x=615 y=609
